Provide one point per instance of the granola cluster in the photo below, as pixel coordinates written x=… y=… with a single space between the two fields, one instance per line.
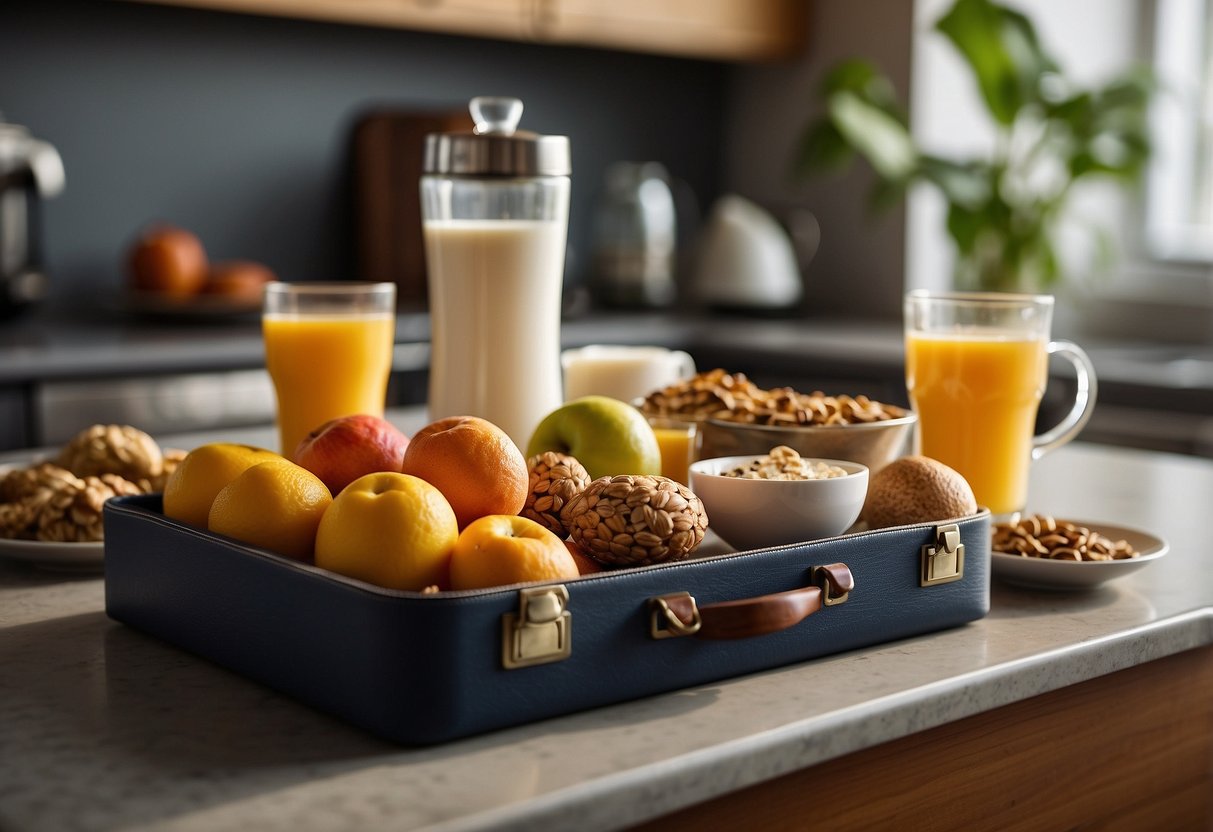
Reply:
x=784 y=463
x=62 y=499
x=732 y=396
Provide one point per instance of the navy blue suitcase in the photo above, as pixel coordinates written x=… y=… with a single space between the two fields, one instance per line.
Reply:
x=425 y=668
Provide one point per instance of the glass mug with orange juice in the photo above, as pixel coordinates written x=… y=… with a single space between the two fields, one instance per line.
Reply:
x=328 y=349
x=976 y=369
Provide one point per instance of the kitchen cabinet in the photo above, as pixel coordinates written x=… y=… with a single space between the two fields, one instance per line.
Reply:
x=731 y=30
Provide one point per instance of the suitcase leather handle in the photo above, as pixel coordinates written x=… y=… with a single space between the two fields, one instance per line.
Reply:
x=748 y=617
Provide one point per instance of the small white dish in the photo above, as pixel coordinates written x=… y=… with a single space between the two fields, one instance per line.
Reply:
x=58 y=556
x=756 y=514
x=1041 y=573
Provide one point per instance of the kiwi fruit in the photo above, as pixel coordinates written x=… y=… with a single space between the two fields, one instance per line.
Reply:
x=916 y=489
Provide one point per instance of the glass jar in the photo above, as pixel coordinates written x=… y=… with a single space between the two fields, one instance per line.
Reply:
x=495 y=206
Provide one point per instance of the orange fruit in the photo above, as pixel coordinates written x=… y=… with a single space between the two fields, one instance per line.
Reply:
x=388 y=529
x=502 y=549
x=168 y=261
x=476 y=466
x=276 y=505
x=586 y=565
x=241 y=281
x=191 y=488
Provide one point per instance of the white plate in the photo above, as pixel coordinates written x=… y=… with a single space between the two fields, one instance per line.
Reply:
x=47 y=554
x=61 y=556
x=1040 y=573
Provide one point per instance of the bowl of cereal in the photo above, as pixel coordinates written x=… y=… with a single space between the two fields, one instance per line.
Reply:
x=737 y=418
x=755 y=501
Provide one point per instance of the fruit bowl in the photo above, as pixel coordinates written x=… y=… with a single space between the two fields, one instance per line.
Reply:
x=758 y=513
x=871 y=444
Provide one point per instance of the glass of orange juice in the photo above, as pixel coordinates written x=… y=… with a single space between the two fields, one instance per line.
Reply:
x=328 y=349
x=976 y=369
x=678 y=442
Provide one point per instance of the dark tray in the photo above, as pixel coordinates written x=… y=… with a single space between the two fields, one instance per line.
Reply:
x=421 y=669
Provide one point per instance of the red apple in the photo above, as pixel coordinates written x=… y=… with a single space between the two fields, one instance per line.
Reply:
x=344 y=449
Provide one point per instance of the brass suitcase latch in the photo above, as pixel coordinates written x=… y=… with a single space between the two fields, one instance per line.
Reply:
x=945 y=561
x=541 y=631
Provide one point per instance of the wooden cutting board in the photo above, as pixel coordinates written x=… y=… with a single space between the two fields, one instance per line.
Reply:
x=387 y=149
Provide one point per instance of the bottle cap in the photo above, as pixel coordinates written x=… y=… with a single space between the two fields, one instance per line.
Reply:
x=496 y=147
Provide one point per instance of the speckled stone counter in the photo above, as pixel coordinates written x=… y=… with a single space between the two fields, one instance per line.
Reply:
x=102 y=727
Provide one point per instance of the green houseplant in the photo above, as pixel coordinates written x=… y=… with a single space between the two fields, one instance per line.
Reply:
x=1001 y=209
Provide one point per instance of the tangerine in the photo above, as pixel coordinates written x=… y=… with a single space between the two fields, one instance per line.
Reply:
x=475 y=465
x=276 y=505
x=501 y=549
x=191 y=488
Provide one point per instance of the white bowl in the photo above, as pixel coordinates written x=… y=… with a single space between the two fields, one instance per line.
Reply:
x=755 y=514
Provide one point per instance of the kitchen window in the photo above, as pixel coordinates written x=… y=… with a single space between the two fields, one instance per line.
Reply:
x=1158 y=281
x=1179 y=193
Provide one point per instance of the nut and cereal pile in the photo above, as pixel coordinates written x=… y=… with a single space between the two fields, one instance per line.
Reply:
x=636 y=520
x=555 y=479
x=1042 y=536
x=784 y=463
x=734 y=397
x=61 y=499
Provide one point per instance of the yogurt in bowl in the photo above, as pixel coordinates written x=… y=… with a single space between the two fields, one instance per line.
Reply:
x=759 y=512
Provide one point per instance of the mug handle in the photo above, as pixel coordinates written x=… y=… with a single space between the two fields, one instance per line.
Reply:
x=1084 y=399
x=685 y=364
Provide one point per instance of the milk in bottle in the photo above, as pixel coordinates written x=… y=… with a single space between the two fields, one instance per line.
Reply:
x=495 y=220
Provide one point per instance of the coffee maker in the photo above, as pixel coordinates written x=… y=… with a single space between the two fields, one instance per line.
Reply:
x=30 y=171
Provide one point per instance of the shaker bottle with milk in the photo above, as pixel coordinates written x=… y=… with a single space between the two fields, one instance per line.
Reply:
x=495 y=208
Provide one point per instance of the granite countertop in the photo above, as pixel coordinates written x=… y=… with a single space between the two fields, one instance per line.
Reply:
x=106 y=728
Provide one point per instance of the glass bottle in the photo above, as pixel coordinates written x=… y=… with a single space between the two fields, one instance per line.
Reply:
x=495 y=206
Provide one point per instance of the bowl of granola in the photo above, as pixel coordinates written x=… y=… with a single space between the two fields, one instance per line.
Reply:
x=737 y=418
x=755 y=501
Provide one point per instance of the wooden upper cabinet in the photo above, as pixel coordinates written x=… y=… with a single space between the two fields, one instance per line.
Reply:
x=741 y=30
x=730 y=30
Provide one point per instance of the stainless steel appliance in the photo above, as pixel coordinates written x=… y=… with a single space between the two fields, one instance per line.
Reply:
x=30 y=171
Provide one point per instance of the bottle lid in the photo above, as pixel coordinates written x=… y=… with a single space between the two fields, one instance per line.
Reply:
x=496 y=147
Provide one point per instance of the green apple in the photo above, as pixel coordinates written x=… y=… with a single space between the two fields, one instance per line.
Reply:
x=607 y=436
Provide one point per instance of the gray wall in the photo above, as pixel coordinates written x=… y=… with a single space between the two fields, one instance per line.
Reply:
x=236 y=126
x=860 y=264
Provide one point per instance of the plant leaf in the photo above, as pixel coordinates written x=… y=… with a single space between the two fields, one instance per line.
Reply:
x=1001 y=47
x=823 y=148
x=862 y=78
x=968 y=184
x=1108 y=129
x=886 y=194
x=883 y=140
x=964 y=225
